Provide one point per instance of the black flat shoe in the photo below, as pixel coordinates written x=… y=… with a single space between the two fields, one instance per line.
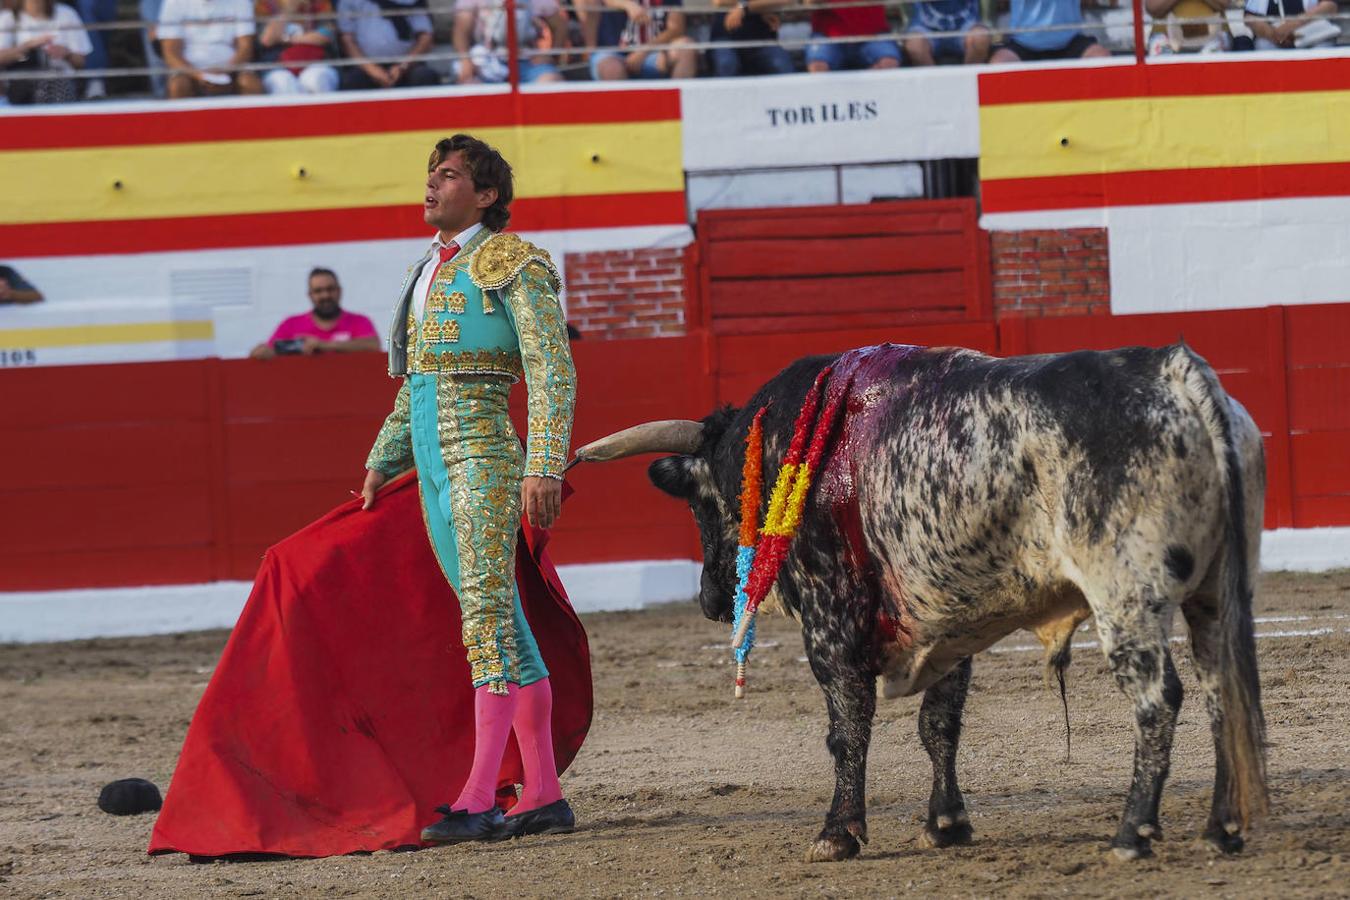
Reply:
x=460 y=825
x=556 y=818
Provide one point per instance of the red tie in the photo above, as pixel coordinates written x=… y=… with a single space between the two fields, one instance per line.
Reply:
x=448 y=251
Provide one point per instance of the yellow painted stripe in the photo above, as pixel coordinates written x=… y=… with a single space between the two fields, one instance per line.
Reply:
x=122 y=333
x=342 y=171
x=1023 y=140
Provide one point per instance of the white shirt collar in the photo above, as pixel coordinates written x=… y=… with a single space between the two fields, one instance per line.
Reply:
x=462 y=238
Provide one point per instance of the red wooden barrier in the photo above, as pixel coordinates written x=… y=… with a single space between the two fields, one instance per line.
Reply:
x=1236 y=343
x=1318 y=342
x=293 y=437
x=616 y=514
x=806 y=269
x=166 y=473
x=1290 y=366
x=182 y=472
x=108 y=475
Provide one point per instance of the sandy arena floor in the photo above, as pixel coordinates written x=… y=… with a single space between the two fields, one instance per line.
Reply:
x=682 y=791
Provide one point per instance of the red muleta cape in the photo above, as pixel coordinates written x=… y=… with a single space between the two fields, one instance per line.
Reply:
x=341 y=711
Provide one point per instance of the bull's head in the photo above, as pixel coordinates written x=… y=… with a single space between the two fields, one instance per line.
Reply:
x=688 y=476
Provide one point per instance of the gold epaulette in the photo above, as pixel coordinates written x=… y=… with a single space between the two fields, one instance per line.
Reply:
x=500 y=258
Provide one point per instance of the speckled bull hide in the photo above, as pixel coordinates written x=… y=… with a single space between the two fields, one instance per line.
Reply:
x=965 y=497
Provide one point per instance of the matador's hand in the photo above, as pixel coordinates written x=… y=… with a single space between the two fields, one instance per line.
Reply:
x=373 y=481
x=541 y=498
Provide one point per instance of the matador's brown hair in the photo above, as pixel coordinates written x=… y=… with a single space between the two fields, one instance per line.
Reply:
x=488 y=170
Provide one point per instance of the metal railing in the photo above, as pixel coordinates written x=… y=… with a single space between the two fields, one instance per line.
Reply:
x=513 y=51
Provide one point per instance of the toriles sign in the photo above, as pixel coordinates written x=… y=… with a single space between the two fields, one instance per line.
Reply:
x=843 y=119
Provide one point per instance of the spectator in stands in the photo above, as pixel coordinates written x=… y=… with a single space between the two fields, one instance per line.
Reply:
x=1172 y=33
x=1065 y=43
x=148 y=10
x=748 y=20
x=368 y=36
x=480 y=33
x=627 y=24
x=1303 y=23
x=325 y=328
x=15 y=289
x=583 y=22
x=42 y=36
x=299 y=33
x=203 y=41
x=97 y=12
x=850 y=22
x=963 y=16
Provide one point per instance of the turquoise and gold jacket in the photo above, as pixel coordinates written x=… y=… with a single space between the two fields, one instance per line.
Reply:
x=492 y=310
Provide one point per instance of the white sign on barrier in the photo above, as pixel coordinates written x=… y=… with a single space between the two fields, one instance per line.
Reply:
x=847 y=117
x=103 y=331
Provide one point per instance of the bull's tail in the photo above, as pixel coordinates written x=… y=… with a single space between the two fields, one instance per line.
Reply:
x=1243 y=729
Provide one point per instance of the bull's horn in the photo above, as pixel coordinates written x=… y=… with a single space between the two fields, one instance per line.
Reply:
x=669 y=436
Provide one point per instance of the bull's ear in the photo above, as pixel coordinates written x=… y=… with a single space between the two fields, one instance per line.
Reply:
x=675 y=475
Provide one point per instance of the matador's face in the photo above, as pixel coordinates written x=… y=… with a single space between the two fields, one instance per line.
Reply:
x=452 y=202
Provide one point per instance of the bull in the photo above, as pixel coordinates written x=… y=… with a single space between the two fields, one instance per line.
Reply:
x=965 y=497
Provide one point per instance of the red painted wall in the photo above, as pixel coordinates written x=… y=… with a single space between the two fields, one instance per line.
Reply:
x=159 y=473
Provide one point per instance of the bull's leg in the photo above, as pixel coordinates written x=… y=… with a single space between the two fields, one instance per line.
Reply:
x=1137 y=651
x=1222 y=831
x=850 y=694
x=940 y=732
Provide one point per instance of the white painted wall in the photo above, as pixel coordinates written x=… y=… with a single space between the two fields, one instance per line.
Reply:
x=136 y=287
x=1233 y=255
x=35 y=616
x=1194 y=256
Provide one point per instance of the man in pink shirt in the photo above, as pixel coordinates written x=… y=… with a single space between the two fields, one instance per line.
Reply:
x=327 y=328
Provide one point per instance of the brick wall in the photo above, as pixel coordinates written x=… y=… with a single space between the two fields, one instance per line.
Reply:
x=626 y=293
x=1055 y=272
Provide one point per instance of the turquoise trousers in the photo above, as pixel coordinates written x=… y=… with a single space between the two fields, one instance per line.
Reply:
x=469 y=464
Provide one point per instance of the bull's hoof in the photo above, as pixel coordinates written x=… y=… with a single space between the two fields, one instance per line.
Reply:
x=1137 y=843
x=1221 y=840
x=1150 y=832
x=833 y=848
x=1132 y=851
x=947 y=831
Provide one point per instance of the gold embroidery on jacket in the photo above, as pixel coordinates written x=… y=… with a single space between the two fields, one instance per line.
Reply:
x=500 y=258
x=467 y=362
x=440 y=332
x=392 y=451
x=549 y=373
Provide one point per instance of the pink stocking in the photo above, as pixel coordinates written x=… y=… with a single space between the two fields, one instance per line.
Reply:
x=492 y=714
x=534 y=733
